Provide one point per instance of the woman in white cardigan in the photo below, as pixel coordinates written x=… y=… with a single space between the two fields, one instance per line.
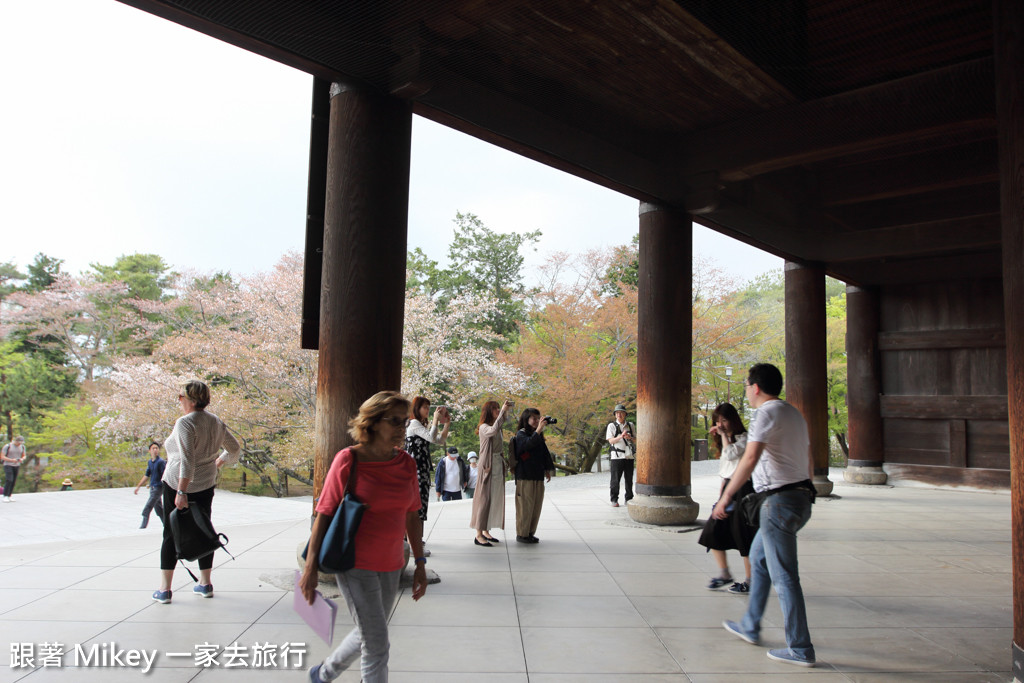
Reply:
x=199 y=445
x=732 y=532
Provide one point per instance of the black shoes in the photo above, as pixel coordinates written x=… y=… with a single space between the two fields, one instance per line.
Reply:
x=492 y=540
x=477 y=541
x=527 y=539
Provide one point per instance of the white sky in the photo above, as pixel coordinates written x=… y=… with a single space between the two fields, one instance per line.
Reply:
x=121 y=132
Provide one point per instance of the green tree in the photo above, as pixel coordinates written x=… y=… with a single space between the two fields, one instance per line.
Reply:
x=146 y=275
x=489 y=264
x=42 y=273
x=30 y=385
x=9 y=274
x=835 y=330
x=69 y=441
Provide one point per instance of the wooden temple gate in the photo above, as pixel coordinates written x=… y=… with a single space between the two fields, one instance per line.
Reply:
x=881 y=147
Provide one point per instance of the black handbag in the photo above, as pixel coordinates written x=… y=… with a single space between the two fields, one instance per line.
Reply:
x=194 y=535
x=338 y=549
x=750 y=508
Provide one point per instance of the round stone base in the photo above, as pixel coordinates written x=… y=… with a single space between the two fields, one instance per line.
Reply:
x=822 y=485
x=865 y=475
x=663 y=510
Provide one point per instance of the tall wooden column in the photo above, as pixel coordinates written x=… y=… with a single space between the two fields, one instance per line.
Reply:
x=806 y=368
x=864 y=388
x=663 y=369
x=1009 y=51
x=362 y=296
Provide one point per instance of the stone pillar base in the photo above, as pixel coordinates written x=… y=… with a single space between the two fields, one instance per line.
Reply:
x=663 y=510
x=822 y=485
x=865 y=475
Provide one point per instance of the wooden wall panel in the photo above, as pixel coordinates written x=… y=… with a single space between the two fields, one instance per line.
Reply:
x=943 y=367
x=988 y=444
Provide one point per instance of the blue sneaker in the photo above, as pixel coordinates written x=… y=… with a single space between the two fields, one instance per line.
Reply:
x=718 y=582
x=786 y=655
x=203 y=591
x=314 y=674
x=734 y=628
x=163 y=597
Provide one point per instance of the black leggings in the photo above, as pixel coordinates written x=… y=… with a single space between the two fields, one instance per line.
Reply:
x=204 y=501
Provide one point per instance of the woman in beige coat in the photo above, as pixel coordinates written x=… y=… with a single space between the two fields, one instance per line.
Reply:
x=489 y=499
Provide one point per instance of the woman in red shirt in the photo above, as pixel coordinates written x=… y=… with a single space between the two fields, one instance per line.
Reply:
x=385 y=480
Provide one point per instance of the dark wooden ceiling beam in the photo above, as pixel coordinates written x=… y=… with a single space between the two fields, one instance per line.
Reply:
x=937 y=237
x=923 y=106
x=980 y=264
x=912 y=174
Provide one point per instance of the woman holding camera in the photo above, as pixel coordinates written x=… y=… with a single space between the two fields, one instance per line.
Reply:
x=533 y=465
x=417 y=442
x=489 y=498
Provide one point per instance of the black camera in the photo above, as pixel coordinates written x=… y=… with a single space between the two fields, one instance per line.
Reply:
x=551 y=420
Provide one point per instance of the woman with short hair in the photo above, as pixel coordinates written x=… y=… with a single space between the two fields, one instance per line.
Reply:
x=199 y=445
x=384 y=478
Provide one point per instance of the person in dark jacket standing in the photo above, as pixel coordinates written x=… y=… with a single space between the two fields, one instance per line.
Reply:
x=452 y=476
x=533 y=466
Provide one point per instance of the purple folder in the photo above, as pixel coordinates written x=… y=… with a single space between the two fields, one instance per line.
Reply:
x=319 y=615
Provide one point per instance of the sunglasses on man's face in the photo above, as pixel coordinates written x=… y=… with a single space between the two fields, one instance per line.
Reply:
x=395 y=421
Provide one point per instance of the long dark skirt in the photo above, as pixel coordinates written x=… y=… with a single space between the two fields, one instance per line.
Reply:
x=731 y=533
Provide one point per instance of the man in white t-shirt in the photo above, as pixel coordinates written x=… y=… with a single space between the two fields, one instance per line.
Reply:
x=621 y=437
x=778 y=456
x=452 y=475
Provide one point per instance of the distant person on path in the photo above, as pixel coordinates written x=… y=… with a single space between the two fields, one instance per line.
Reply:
x=621 y=436
x=385 y=480
x=417 y=443
x=533 y=465
x=452 y=475
x=489 y=500
x=732 y=533
x=12 y=455
x=778 y=456
x=155 y=474
x=199 y=445
x=473 y=475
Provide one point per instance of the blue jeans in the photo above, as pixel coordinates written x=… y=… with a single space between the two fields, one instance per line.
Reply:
x=451 y=495
x=773 y=561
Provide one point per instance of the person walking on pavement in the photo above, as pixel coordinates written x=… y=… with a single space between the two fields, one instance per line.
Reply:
x=155 y=474
x=12 y=455
x=778 y=456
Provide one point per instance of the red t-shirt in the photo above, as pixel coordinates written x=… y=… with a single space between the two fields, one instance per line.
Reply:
x=390 y=489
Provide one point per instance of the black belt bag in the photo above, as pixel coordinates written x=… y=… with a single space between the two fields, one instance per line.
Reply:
x=750 y=504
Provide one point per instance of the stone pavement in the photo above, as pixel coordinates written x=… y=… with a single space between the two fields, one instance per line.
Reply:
x=902 y=584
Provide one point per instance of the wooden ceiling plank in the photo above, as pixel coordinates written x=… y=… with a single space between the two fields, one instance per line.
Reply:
x=911 y=174
x=870 y=118
x=978 y=232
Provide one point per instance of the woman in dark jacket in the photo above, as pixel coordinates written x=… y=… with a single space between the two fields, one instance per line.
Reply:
x=533 y=466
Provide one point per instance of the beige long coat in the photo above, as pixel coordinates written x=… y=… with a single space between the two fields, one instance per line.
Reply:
x=489 y=499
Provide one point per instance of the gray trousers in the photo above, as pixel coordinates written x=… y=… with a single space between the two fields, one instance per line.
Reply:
x=370 y=597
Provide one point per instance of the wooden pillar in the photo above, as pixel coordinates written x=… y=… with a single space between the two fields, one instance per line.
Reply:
x=806 y=355
x=864 y=388
x=362 y=296
x=1009 y=68
x=663 y=369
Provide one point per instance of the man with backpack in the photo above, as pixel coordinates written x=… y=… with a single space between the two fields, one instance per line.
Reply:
x=621 y=436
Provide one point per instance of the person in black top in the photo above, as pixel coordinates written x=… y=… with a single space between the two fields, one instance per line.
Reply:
x=533 y=466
